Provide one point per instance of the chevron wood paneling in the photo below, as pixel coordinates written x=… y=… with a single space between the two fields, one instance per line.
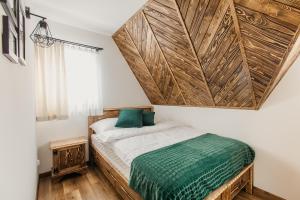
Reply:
x=168 y=29
x=214 y=53
x=138 y=67
x=267 y=36
x=214 y=38
x=150 y=51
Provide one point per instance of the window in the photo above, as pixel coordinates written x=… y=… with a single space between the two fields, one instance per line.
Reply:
x=67 y=82
x=83 y=84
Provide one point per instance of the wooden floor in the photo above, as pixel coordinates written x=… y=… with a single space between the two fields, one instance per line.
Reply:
x=92 y=186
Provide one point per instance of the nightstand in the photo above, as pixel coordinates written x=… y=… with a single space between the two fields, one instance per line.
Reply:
x=68 y=156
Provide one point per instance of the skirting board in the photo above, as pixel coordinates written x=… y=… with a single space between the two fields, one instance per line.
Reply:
x=45 y=174
x=265 y=195
x=256 y=191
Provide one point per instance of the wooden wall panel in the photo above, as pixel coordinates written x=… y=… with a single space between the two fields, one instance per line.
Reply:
x=138 y=67
x=150 y=51
x=268 y=28
x=214 y=53
x=168 y=29
x=215 y=40
x=291 y=3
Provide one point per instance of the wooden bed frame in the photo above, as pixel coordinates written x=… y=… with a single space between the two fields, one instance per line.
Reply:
x=243 y=181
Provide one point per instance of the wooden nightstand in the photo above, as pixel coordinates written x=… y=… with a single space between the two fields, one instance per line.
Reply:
x=68 y=156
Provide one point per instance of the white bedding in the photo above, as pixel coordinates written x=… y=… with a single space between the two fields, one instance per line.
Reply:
x=134 y=144
x=121 y=152
x=122 y=133
x=130 y=148
x=106 y=151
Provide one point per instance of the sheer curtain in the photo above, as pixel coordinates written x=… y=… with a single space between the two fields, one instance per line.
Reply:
x=51 y=85
x=84 y=86
x=67 y=82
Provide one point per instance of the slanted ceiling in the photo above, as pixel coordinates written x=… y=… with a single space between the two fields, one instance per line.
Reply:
x=211 y=53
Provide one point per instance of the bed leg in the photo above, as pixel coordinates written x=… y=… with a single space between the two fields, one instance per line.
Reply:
x=249 y=186
x=91 y=157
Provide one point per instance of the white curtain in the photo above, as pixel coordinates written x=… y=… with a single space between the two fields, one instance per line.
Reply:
x=67 y=82
x=51 y=84
x=83 y=70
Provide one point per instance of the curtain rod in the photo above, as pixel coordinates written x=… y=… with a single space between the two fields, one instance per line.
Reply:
x=28 y=14
x=77 y=44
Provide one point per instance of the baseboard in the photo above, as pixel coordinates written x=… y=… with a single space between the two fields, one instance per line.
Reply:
x=45 y=174
x=265 y=195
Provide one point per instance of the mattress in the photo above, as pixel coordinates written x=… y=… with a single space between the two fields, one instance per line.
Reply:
x=107 y=150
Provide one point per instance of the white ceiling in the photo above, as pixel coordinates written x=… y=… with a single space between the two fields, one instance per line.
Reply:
x=100 y=16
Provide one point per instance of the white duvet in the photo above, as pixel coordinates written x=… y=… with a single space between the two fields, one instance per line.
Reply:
x=129 y=144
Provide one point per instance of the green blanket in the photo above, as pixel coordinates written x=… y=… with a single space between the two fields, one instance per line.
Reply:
x=190 y=169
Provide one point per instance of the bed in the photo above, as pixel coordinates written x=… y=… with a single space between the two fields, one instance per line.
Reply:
x=115 y=159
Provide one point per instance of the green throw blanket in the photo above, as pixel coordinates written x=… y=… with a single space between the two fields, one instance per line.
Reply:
x=190 y=169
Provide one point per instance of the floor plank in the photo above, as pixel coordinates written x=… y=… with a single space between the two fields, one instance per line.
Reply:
x=91 y=186
x=58 y=191
x=245 y=196
x=74 y=195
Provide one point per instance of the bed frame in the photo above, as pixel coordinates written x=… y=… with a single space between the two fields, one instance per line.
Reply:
x=243 y=181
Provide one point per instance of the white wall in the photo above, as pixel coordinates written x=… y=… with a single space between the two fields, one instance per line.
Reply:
x=18 y=153
x=273 y=131
x=120 y=88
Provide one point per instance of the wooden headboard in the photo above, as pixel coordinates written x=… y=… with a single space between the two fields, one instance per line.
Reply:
x=111 y=113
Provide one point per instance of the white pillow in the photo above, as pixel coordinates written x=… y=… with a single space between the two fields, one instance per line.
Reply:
x=104 y=125
x=122 y=133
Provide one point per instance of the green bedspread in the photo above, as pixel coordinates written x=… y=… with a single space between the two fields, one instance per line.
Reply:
x=190 y=169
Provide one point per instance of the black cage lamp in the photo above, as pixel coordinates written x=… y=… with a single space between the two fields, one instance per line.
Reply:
x=41 y=34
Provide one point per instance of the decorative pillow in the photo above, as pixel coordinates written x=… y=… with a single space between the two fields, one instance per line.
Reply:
x=130 y=118
x=148 y=118
x=104 y=125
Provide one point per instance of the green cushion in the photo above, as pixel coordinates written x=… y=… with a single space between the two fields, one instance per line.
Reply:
x=148 y=118
x=130 y=118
